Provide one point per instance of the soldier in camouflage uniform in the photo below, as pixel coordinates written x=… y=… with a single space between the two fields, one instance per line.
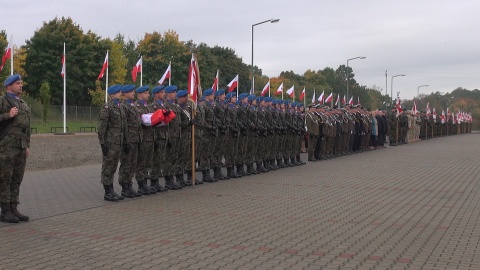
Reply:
x=14 y=148
x=261 y=149
x=112 y=128
x=128 y=159
x=210 y=133
x=231 y=143
x=186 y=135
x=313 y=132
x=242 y=122
x=221 y=122
x=272 y=134
x=252 y=133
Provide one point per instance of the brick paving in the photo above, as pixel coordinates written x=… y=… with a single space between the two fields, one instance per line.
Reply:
x=414 y=206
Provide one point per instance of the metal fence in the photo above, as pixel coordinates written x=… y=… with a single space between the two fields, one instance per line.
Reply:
x=74 y=113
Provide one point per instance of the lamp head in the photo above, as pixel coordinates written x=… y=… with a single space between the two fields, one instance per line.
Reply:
x=274 y=20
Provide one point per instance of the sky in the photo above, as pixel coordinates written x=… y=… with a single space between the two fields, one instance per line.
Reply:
x=431 y=42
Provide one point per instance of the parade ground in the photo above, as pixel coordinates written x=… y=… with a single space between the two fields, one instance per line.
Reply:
x=414 y=206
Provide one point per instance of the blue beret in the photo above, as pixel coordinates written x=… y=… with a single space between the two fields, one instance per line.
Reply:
x=171 y=88
x=127 y=88
x=274 y=102
x=286 y=102
x=230 y=95
x=114 y=89
x=251 y=98
x=242 y=96
x=182 y=93
x=208 y=92
x=299 y=105
x=294 y=104
x=268 y=99
x=13 y=78
x=202 y=98
x=157 y=89
x=219 y=92
x=142 y=89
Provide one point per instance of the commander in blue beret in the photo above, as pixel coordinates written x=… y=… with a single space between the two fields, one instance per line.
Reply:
x=14 y=148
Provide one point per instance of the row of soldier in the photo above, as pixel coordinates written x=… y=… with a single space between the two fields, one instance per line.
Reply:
x=252 y=134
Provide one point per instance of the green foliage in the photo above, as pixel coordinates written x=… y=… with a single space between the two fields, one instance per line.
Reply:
x=3 y=46
x=97 y=95
x=45 y=97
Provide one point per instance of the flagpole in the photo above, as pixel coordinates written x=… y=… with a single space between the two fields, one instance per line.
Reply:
x=11 y=56
x=64 y=91
x=268 y=87
x=141 y=71
x=170 y=77
x=293 y=92
x=106 y=82
x=331 y=101
x=238 y=82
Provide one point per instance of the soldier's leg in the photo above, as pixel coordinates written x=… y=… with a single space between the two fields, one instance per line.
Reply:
x=124 y=172
x=109 y=167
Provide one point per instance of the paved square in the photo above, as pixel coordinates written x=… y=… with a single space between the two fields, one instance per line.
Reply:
x=414 y=206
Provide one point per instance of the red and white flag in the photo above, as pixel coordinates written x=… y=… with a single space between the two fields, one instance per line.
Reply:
x=166 y=75
x=291 y=91
x=6 y=55
x=414 y=108
x=344 y=100
x=320 y=98
x=428 y=109
x=398 y=106
x=279 y=90
x=105 y=66
x=215 y=82
x=350 y=102
x=329 y=98
x=194 y=79
x=358 y=100
x=302 y=95
x=434 y=113
x=265 y=89
x=136 y=69
x=233 y=84
x=62 y=73
x=313 y=98
x=337 y=102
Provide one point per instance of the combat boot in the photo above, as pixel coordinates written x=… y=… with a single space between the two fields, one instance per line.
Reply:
x=190 y=179
x=7 y=215
x=142 y=189
x=169 y=183
x=266 y=165
x=272 y=164
x=214 y=178
x=150 y=189
x=299 y=160
x=206 y=176
x=287 y=163
x=108 y=194
x=133 y=191
x=260 y=167
x=180 y=181
x=120 y=197
x=251 y=169
x=231 y=172
x=280 y=163
x=126 y=191
x=240 y=170
x=20 y=216
x=217 y=173
x=155 y=185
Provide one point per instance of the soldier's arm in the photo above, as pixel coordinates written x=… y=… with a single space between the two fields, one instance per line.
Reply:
x=102 y=123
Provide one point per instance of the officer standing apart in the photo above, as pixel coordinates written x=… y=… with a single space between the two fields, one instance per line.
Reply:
x=14 y=148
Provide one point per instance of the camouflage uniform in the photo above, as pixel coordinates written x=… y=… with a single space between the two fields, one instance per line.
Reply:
x=128 y=161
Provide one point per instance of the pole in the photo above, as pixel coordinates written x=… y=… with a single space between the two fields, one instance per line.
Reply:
x=348 y=74
x=106 y=82
x=141 y=71
x=11 y=57
x=193 y=147
x=170 y=77
x=64 y=91
x=252 y=90
x=386 y=86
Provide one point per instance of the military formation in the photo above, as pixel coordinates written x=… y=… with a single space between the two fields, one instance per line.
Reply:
x=246 y=134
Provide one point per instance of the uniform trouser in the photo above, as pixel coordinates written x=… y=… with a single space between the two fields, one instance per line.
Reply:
x=281 y=145
x=260 y=154
x=158 y=162
x=351 y=141
x=337 y=144
x=12 y=167
x=312 y=144
x=206 y=149
x=185 y=152
x=270 y=145
x=251 y=148
x=242 y=149
x=219 y=150
x=110 y=163
x=172 y=162
x=345 y=143
x=275 y=146
x=128 y=164
x=298 y=147
x=231 y=151
x=145 y=161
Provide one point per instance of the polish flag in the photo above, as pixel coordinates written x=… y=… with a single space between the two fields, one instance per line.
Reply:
x=166 y=75
x=398 y=106
x=158 y=117
x=434 y=113
x=428 y=109
x=105 y=66
x=194 y=79
x=414 y=108
x=344 y=100
x=279 y=90
x=302 y=95
x=6 y=55
x=137 y=68
x=329 y=98
x=320 y=98
x=351 y=101
x=215 y=83
x=337 y=103
x=266 y=89
x=358 y=100
x=291 y=91
x=313 y=98
x=233 y=84
x=62 y=73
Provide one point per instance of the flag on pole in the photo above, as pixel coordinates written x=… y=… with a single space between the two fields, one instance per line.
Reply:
x=194 y=79
x=166 y=75
x=266 y=89
x=428 y=109
x=434 y=113
x=62 y=73
x=398 y=106
x=279 y=90
x=344 y=100
x=358 y=100
x=313 y=98
x=6 y=55
x=215 y=82
x=291 y=91
x=329 y=98
x=337 y=102
x=320 y=98
x=233 y=84
x=136 y=69
x=302 y=95
x=351 y=101
x=414 y=108
x=105 y=66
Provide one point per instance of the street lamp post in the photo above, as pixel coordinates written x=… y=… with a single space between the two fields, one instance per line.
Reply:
x=418 y=89
x=348 y=72
x=252 y=90
x=391 y=84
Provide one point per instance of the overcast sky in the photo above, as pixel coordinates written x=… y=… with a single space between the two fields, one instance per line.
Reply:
x=431 y=42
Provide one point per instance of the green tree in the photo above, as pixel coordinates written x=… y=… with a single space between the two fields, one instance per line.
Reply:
x=45 y=97
x=97 y=95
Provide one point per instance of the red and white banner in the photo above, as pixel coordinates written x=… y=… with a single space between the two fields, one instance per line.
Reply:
x=194 y=79
x=414 y=108
x=6 y=55
x=62 y=73
x=166 y=75
x=105 y=66
x=329 y=98
x=302 y=95
x=313 y=97
x=398 y=106
x=265 y=89
x=428 y=109
x=215 y=82
x=350 y=102
x=233 y=84
x=279 y=90
x=291 y=91
x=157 y=118
x=320 y=98
x=136 y=69
x=337 y=102
x=344 y=100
